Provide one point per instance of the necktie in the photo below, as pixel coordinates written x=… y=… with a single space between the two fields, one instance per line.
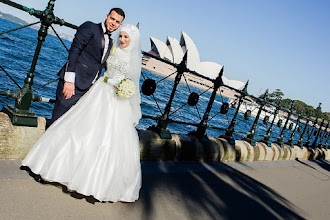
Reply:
x=108 y=33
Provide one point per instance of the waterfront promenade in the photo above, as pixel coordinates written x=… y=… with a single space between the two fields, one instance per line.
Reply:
x=286 y=189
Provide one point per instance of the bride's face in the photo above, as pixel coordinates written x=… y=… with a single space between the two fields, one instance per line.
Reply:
x=124 y=39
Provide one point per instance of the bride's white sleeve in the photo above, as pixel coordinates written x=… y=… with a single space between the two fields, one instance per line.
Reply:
x=112 y=82
x=107 y=74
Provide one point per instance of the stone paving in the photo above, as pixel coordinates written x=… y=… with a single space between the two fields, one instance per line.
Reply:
x=294 y=189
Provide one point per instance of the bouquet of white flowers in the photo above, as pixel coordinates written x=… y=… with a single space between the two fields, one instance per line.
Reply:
x=125 y=88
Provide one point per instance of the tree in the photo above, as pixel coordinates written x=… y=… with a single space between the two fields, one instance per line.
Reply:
x=327 y=114
x=318 y=111
x=275 y=96
x=310 y=110
x=300 y=107
x=286 y=103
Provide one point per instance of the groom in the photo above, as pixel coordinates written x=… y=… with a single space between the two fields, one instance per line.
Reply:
x=89 y=50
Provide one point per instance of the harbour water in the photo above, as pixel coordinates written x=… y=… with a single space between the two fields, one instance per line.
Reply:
x=16 y=54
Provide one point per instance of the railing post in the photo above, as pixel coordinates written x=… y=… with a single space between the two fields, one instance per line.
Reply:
x=20 y=114
x=267 y=135
x=317 y=135
x=311 y=133
x=301 y=139
x=324 y=134
x=290 y=141
x=280 y=138
x=163 y=121
x=250 y=135
x=200 y=132
x=326 y=141
x=230 y=130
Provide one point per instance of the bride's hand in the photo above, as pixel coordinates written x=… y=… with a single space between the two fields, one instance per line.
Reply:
x=110 y=81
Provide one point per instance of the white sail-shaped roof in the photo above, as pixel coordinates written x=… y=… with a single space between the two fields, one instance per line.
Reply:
x=193 y=59
x=161 y=48
x=233 y=83
x=174 y=51
x=174 y=46
x=210 y=69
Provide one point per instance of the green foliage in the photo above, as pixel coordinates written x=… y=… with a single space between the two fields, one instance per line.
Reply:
x=275 y=96
x=326 y=115
x=286 y=103
x=298 y=106
x=310 y=110
x=318 y=111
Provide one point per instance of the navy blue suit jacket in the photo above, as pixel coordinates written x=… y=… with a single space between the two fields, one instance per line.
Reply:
x=85 y=55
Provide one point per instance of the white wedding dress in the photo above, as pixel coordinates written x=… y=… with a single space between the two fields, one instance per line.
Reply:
x=94 y=147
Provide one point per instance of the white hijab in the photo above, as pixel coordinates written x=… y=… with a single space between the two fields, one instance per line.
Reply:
x=134 y=65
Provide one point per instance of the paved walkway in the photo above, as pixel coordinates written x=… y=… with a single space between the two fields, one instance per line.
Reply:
x=183 y=190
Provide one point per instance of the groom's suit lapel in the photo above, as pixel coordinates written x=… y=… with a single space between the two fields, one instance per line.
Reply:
x=108 y=51
x=103 y=44
x=102 y=39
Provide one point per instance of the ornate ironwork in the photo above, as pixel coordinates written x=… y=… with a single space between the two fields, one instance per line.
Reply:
x=262 y=102
x=20 y=114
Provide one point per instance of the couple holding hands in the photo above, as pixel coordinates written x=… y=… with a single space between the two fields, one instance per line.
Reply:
x=91 y=145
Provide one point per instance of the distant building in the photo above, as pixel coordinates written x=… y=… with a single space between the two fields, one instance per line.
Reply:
x=173 y=51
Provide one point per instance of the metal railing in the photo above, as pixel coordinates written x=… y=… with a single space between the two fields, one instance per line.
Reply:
x=20 y=114
x=309 y=132
x=319 y=133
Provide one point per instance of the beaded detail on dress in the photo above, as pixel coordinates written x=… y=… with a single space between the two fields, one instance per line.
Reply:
x=117 y=65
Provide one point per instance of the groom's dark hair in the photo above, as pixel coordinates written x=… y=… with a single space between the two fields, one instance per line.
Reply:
x=119 y=11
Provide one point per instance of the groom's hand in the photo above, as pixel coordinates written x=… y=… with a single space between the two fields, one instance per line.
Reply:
x=68 y=90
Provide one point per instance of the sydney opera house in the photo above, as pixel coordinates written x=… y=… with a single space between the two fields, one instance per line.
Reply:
x=173 y=51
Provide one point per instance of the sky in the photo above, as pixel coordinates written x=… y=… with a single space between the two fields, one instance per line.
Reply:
x=275 y=44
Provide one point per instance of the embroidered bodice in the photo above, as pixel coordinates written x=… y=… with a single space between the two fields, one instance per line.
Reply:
x=117 y=65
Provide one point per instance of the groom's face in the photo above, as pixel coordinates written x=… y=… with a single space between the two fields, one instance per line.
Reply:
x=113 y=21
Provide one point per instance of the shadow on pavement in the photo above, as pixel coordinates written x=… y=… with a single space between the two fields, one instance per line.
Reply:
x=324 y=164
x=207 y=191
x=220 y=193
x=321 y=163
x=74 y=194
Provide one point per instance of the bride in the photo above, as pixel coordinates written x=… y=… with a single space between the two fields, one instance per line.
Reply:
x=93 y=149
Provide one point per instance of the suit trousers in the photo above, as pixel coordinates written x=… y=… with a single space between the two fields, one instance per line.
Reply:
x=62 y=104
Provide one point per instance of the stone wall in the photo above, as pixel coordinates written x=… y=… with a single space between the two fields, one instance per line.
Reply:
x=189 y=148
x=16 y=141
